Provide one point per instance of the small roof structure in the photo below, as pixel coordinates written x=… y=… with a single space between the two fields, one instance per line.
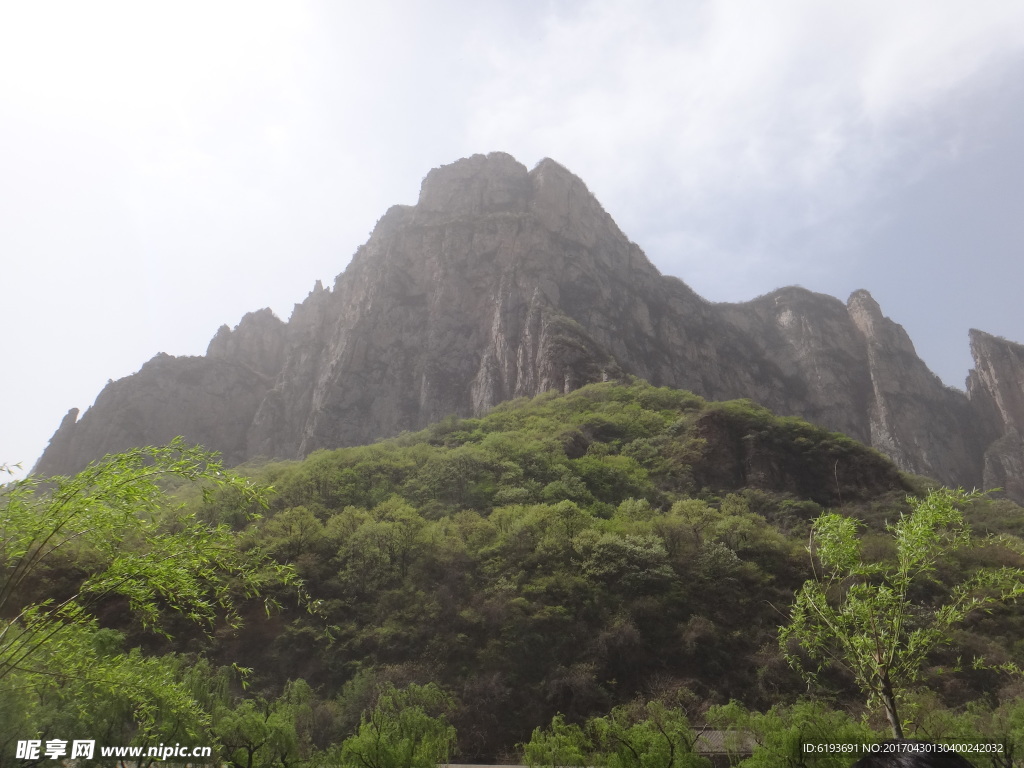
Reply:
x=731 y=741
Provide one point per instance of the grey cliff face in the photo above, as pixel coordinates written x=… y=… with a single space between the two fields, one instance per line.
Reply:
x=996 y=387
x=503 y=282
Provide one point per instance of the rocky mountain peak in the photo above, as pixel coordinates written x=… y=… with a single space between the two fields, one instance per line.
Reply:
x=257 y=341
x=862 y=303
x=502 y=282
x=491 y=183
x=562 y=202
x=998 y=376
x=996 y=389
x=876 y=327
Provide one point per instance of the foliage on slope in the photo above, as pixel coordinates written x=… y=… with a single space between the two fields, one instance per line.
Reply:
x=566 y=554
x=563 y=554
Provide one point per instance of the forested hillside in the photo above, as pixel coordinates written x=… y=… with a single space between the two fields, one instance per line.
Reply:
x=565 y=554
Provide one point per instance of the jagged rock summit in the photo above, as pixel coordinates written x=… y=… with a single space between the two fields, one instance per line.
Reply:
x=502 y=282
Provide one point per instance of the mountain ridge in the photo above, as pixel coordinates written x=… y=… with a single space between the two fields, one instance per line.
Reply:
x=503 y=282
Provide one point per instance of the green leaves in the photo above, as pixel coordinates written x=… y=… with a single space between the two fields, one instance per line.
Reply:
x=778 y=736
x=407 y=728
x=881 y=620
x=935 y=527
x=835 y=542
x=561 y=745
x=632 y=736
x=113 y=527
x=257 y=733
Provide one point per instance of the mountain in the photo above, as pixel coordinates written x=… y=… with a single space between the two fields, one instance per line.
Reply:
x=504 y=282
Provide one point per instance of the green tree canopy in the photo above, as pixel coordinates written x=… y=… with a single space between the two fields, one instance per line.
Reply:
x=112 y=525
x=630 y=736
x=407 y=728
x=881 y=620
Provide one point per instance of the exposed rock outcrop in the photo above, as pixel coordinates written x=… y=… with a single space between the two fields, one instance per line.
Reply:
x=257 y=342
x=502 y=282
x=210 y=401
x=996 y=388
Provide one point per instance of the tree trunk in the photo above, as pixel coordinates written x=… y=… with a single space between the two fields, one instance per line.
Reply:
x=889 y=700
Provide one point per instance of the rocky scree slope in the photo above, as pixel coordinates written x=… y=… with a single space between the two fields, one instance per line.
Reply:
x=504 y=282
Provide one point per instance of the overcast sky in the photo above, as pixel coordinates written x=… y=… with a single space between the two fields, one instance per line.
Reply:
x=167 y=167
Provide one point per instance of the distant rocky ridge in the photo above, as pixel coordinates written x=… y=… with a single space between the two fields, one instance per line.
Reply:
x=502 y=282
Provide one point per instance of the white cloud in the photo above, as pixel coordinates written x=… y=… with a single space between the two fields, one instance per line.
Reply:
x=778 y=115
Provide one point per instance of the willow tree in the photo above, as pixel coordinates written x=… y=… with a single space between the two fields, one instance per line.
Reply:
x=407 y=728
x=114 y=535
x=868 y=617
